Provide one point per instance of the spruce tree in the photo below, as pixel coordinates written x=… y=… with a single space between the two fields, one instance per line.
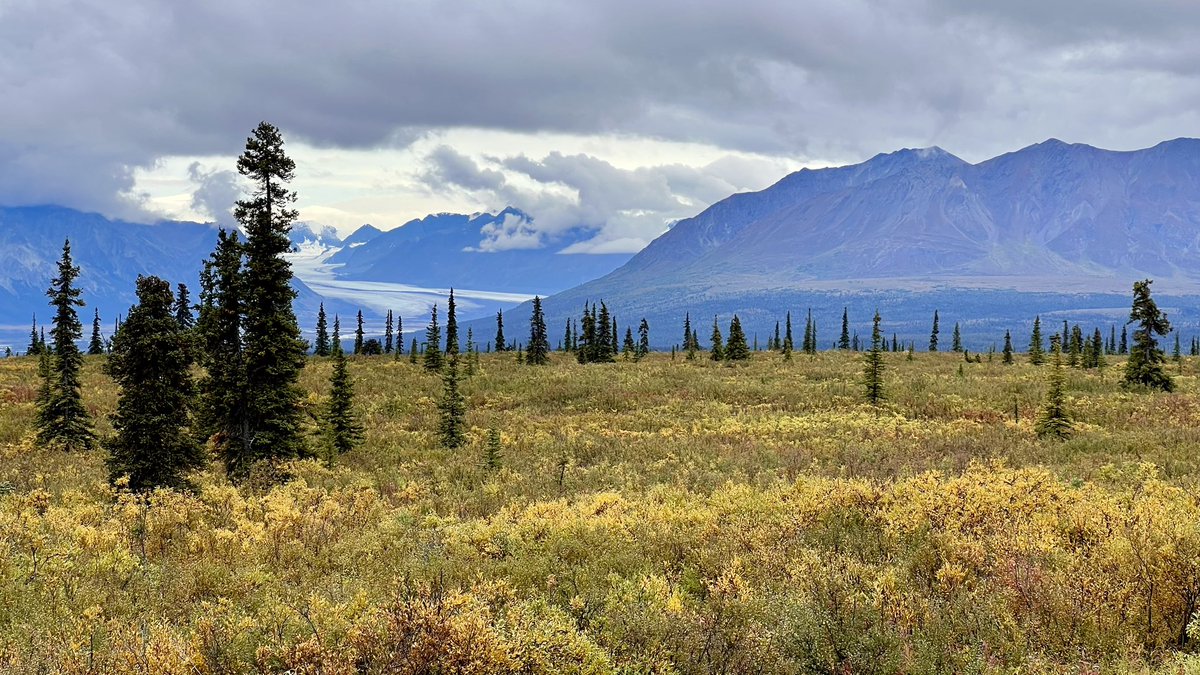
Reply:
x=810 y=336
x=388 y=338
x=735 y=347
x=336 y=343
x=612 y=337
x=539 y=343
x=493 y=451
x=776 y=343
x=358 y=334
x=629 y=349
x=603 y=347
x=1053 y=419
x=643 y=347
x=452 y=408
x=35 y=344
x=501 y=345
x=585 y=352
x=1112 y=339
x=566 y=345
x=688 y=345
x=788 y=345
x=399 y=336
x=956 y=340
x=844 y=341
x=1124 y=349
x=96 y=346
x=1097 y=355
x=433 y=342
x=1076 y=353
x=342 y=428
x=873 y=365
x=151 y=363
x=1036 y=356
x=933 y=335
x=62 y=421
x=222 y=411
x=321 y=344
x=452 y=344
x=183 y=308
x=412 y=352
x=1008 y=348
x=1144 y=368
x=274 y=352
x=717 y=350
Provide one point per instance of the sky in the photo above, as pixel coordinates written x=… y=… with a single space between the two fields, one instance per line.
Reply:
x=618 y=117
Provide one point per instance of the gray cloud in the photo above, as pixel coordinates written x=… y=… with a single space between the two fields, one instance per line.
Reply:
x=215 y=194
x=120 y=85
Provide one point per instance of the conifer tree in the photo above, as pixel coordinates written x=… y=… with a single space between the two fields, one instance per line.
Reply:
x=873 y=365
x=1112 y=339
x=1076 y=353
x=1144 y=368
x=62 y=421
x=788 y=345
x=1097 y=356
x=358 y=334
x=433 y=342
x=956 y=340
x=336 y=343
x=735 y=347
x=96 y=346
x=412 y=352
x=717 y=350
x=1053 y=419
x=274 y=352
x=844 y=342
x=643 y=347
x=612 y=336
x=688 y=345
x=222 y=411
x=1124 y=349
x=35 y=344
x=321 y=344
x=452 y=344
x=388 y=338
x=452 y=408
x=1176 y=354
x=603 y=346
x=895 y=343
x=585 y=352
x=399 y=336
x=183 y=308
x=566 y=345
x=501 y=345
x=342 y=428
x=151 y=363
x=776 y=343
x=539 y=343
x=1035 y=343
x=1008 y=348
x=493 y=452
x=629 y=348
x=933 y=335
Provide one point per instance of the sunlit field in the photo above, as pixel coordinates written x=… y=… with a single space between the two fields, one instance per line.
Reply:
x=656 y=516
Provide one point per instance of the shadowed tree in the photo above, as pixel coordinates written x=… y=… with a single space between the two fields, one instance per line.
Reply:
x=717 y=350
x=643 y=347
x=342 y=428
x=151 y=363
x=222 y=411
x=538 y=353
x=736 y=348
x=933 y=335
x=501 y=345
x=1052 y=418
x=1008 y=348
x=183 y=308
x=956 y=340
x=321 y=344
x=1036 y=355
x=1144 y=368
x=788 y=344
x=452 y=345
x=62 y=421
x=844 y=340
x=433 y=342
x=629 y=348
x=96 y=345
x=452 y=408
x=388 y=337
x=358 y=334
x=873 y=365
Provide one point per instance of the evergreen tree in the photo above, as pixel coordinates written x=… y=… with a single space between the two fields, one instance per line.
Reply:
x=776 y=343
x=717 y=351
x=844 y=342
x=1097 y=356
x=603 y=346
x=1144 y=368
x=358 y=334
x=956 y=340
x=412 y=352
x=183 y=308
x=342 y=428
x=274 y=352
x=643 y=347
x=539 y=343
x=96 y=346
x=566 y=345
x=1076 y=346
x=788 y=345
x=494 y=451
x=452 y=344
x=1112 y=339
x=433 y=342
x=933 y=336
x=585 y=352
x=222 y=411
x=1008 y=348
x=629 y=349
x=336 y=344
x=35 y=344
x=151 y=363
x=321 y=346
x=1177 y=354
x=873 y=365
x=452 y=408
x=1124 y=340
x=62 y=421
x=399 y=336
x=372 y=347
x=612 y=336
x=735 y=347
x=1035 y=343
x=388 y=338
x=501 y=345
x=688 y=346
x=1053 y=419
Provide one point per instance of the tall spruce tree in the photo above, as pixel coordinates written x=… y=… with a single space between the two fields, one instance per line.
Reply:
x=810 y=339
x=643 y=347
x=336 y=341
x=321 y=345
x=873 y=365
x=933 y=335
x=566 y=345
x=222 y=410
x=183 y=308
x=35 y=344
x=358 y=334
x=844 y=340
x=1008 y=348
x=151 y=363
x=399 y=336
x=1144 y=368
x=1124 y=348
x=956 y=340
x=501 y=345
x=1036 y=355
x=776 y=342
x=1053 y=419
x=538 y=353
x=274 y=352
x=688 y=346
x=736 y=348
x=452 y=344
x=96 y=345
x=388 y=337
x=342 y=428
x=433 y=342
x=585 y=353
x=788 y=345
x=452 y=408
x=629 y=348
x=603 y=348
x=717 y=350
x=612 y=336
x=62 y=420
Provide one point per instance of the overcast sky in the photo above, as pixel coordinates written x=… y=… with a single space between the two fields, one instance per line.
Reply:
x=618 y=116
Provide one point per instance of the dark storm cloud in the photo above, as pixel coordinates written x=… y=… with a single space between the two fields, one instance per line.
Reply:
x=92 y=90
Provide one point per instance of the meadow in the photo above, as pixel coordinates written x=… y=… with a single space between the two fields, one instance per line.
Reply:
x=661 y=516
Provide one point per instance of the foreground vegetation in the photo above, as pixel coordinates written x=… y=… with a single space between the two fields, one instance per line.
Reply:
x=648 y=516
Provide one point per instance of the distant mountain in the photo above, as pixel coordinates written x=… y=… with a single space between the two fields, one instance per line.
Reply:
x=362 y=235
x=915 y=230
x=445 y=250
x=310 y=233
